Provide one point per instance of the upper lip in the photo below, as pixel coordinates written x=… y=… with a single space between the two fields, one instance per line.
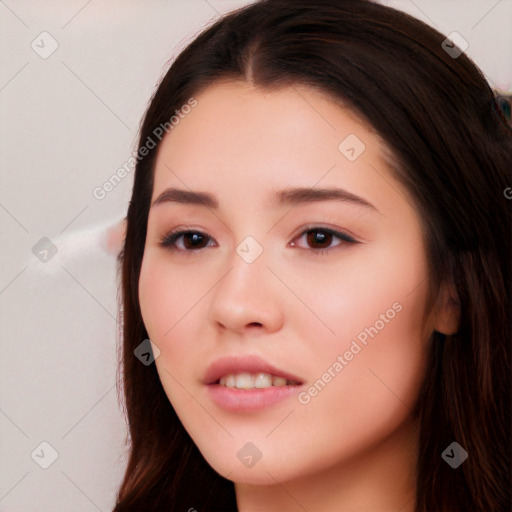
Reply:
x=238 y=364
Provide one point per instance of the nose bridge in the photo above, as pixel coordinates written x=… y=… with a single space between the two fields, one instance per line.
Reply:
x=245 y=294
x=248 y=262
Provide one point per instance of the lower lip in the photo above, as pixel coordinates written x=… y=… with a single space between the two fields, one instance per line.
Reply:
x=246 y=400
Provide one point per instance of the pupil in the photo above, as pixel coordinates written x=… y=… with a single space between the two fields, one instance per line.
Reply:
x=319 y=237
x=195 y=238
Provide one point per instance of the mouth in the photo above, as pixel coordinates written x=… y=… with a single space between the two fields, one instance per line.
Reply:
x=248 y=383
x=254 y=381
x=248 y=372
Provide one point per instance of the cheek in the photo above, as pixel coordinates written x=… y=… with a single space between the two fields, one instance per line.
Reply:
x=361 y=294
x=154 y=295
x=165 y=295
x=374 y=313
x=169 y=302
x=173 y=305
x=358 y=399
x=373 y=364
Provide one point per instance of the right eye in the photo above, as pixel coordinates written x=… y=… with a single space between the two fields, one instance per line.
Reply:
x=191 y=240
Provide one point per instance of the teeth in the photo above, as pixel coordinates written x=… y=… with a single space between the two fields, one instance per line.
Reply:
x=263 y=380
x=244 y=381
x=251 y=381
x=230 y=381
x=279 y=381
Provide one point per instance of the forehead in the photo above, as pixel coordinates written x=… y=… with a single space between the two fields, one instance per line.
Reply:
x=240 y=138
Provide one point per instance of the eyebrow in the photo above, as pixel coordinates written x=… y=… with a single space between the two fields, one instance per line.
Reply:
x=289 y=196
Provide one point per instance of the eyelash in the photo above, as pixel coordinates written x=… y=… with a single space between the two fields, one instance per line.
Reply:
x=169 y=240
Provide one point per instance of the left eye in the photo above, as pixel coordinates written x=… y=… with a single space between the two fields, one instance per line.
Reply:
x=317 y=238
x=322 y=238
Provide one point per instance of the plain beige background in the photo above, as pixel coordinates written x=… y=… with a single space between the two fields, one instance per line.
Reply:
x=69 y=120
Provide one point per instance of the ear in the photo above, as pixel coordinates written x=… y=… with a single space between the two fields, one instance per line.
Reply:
x=447 y=310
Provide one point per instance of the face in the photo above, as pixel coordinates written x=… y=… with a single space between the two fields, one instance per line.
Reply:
x=310 y=303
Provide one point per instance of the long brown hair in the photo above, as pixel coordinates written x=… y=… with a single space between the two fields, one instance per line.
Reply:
x=453 y=152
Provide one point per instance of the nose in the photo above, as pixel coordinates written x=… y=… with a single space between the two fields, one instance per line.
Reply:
x=247 y=298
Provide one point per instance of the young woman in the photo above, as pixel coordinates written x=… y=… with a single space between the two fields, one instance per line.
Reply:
x=318 y=248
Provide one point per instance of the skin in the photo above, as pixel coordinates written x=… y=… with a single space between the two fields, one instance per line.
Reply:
x=353 y=446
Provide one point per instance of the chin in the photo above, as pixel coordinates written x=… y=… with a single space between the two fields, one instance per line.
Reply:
x=266 y=471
